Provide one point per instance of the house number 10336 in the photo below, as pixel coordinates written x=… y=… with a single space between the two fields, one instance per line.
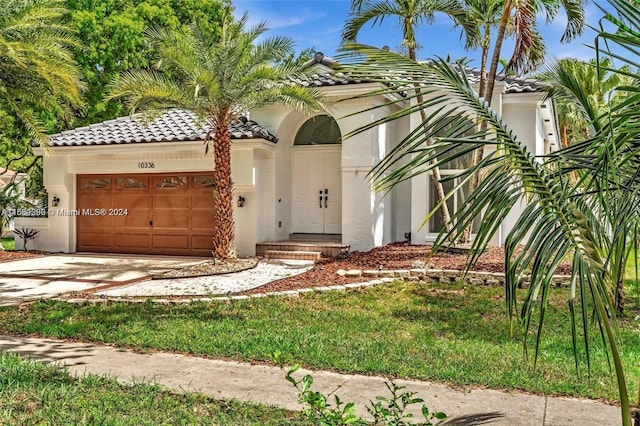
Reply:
x=146 y=165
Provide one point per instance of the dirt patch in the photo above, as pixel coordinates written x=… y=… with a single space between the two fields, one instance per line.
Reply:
x=8 y=255
x=392 y=256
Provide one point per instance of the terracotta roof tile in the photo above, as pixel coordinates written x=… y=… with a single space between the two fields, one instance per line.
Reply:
x=172 y=126
x=512 y=84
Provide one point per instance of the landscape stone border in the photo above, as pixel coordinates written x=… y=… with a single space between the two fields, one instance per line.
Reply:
x=421 y=276
x=447 y=276
x=186 y=300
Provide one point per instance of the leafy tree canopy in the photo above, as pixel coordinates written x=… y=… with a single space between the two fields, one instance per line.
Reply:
x=39 y=79
x=112 y=34
x=110 y=38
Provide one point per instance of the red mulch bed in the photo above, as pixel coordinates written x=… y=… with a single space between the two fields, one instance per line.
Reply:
x=392 y=256
x=7 y=255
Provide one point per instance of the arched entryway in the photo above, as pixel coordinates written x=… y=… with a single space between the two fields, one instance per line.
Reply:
x=317 y=177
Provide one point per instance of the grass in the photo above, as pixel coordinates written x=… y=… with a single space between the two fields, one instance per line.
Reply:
x=453 y=334
x=8 y=243
x=632 y=281
x=32 y=393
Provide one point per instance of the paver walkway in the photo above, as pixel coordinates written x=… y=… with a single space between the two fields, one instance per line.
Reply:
x=266 y=385
x=267 y=270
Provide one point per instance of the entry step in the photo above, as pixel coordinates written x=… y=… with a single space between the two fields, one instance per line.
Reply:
x=293 y=255
x=327 y=249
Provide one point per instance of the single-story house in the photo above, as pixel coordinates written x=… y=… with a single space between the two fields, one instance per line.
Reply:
x=131 y=187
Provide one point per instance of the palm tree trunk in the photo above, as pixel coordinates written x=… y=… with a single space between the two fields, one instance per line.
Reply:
x=483 y=61
x=435 y=172
x=486 y=91
x=224 y=237
x=478 y=153
x=495 y=59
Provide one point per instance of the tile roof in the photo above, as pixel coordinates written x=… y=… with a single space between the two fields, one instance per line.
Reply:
x=172 y=126
x=511 y=84
x=180 y=125
x=329 y=78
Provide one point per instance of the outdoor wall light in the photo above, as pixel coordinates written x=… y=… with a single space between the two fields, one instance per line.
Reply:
x=55 y=201
x=241 y=201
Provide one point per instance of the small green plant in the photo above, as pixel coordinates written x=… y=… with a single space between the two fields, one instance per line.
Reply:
x=392 y=411
x=317 y=409
x=26 y=235
x=385 y=411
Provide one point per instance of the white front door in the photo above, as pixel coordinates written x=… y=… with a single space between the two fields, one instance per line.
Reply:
x=317 y=190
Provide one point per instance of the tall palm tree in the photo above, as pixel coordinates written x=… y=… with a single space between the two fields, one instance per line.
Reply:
x=410 y=14
x=529 y=50
x=583 y=202
x=218 y=81
x=485 y=14
x=37 y=69
x=519 y=17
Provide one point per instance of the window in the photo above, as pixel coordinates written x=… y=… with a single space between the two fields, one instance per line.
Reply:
x=447 y=169
x=204 y=182
x=96 y=183
x=130 y=183
x=171 y=182
x=436 y=224
x=320 y=130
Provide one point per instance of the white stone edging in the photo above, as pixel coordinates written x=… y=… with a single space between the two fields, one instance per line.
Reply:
x=445 y=276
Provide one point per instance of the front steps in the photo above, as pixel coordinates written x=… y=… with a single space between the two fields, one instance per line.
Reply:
x=293 y=255
x=300 y=249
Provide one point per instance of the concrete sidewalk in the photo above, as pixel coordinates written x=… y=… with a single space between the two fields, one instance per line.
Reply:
x=266 y=385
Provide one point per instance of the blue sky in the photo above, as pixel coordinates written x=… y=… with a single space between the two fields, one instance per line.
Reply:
x=319 y=24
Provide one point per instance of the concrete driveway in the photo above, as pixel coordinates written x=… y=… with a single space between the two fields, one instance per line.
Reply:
x=52 y=275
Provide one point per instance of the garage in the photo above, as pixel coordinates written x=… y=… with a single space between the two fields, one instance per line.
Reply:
x=154 y=213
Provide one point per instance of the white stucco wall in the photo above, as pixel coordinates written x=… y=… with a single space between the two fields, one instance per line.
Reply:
x=368 y=219
x=401 y=194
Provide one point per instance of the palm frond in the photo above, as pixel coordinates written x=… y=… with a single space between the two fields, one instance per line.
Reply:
x=560 y=219
x=37 y=67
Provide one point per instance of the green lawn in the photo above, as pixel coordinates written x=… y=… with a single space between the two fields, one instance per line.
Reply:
x=8 y=243
x=454 y=334
x=32 y=393
x=632 y=283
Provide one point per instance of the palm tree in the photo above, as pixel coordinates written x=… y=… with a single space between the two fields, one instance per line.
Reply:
x=583 y=202
x=37 y=69
x=583 y=93
x=218 y=81
x=519 y=18
x=586 y=92
x=485 y=14
x=410 y=13
x=529 y=50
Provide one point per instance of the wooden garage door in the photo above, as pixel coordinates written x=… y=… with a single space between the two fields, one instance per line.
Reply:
x=146 y=213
